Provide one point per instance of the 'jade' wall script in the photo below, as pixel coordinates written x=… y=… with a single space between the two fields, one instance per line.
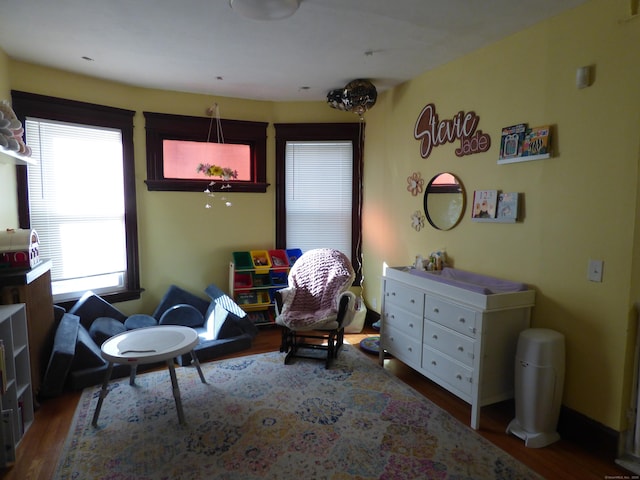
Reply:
x=431 y=132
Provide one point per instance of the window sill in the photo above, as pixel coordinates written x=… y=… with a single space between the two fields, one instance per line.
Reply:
x=114 y=297
x=200 y=185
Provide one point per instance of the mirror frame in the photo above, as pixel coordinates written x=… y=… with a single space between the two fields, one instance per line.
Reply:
x=445 y=188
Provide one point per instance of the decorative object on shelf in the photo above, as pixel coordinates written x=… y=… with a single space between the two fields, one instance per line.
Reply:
x=532 y=143
x=417 y=220
x=444 y=201
x=536 y=141
x=19 y=248
x=262 y=10
x=512 y=141
x=357 y=96
x=12 y=131
x=217 y=171
x=415 y=183
x=463 y=126
x=484 y=204
x=209 y=170
x=506 y=206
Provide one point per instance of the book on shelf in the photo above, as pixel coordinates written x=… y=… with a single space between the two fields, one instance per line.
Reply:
x=484 y=204
x=508 y=206
x=512 y=140
x=536 y=141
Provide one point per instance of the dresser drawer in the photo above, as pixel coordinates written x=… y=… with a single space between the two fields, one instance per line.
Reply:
x=454 y=316
x=454 y=344
x=410 y=299
x=401 y=346
x=406 y=322
x=447 y=369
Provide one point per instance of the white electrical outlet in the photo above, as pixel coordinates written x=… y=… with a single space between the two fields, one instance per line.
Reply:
x=594 y=273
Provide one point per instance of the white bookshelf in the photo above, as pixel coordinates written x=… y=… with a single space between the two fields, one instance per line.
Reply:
x=17 y=399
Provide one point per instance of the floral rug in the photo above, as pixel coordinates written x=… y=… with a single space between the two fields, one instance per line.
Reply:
x=259 y=419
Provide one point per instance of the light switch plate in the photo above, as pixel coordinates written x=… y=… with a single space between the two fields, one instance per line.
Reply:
x=594 y=273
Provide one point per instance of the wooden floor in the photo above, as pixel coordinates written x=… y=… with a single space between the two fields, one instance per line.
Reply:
x=39 y=450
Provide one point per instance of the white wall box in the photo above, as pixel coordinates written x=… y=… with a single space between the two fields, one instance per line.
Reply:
x=17 y=399
x=462 y=340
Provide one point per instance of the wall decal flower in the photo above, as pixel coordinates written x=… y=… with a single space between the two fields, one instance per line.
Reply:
x=415 y=183
x=417 y=220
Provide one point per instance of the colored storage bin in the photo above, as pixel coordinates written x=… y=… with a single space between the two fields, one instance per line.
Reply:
x=246 y=298
x=261 y=261
x=279 y=278
x=261 y=279
x=242 y=260
x=242 y=280
x=279 y=259
x=293 y=254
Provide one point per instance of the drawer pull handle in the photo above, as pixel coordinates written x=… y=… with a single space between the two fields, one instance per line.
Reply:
x=434 y=363
x=412 y=301
x=393 y=294
x=461 y=320
x=435 y=337
x=392 y=316
x=460 y=348
x=411 y=325
x=459 y=377
x=435 y=310
x=410 y=349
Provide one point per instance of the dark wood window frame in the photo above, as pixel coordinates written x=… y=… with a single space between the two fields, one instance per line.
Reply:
x=164 y=126
x=52 y=108
x=354 y=132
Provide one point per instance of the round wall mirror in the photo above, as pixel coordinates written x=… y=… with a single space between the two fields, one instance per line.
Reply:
x=444 y=201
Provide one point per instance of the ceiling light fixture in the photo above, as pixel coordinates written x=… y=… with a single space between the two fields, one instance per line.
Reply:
x=265 y=9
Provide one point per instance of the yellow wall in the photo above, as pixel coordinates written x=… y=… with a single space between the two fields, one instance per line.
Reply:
x=580 y=204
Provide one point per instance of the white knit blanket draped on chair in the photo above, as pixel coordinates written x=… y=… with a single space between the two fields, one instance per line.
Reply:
x=317 y=281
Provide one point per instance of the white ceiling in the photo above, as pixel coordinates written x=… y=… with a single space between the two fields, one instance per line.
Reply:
x=203 y=46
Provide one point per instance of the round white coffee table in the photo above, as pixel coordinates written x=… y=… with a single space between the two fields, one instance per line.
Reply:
x=149 y=345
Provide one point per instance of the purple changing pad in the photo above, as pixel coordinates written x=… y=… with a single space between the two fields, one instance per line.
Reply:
x=474 y=282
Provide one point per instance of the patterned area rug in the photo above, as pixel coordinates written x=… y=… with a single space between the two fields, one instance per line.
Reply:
x=259 y=419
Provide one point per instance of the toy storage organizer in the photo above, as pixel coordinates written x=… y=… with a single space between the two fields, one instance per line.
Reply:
x=255 y=276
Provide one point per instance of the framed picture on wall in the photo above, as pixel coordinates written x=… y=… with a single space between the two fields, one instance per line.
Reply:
x=484 y=204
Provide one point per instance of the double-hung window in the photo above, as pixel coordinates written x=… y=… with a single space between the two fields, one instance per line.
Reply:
x=318 y=188
x=79 y=195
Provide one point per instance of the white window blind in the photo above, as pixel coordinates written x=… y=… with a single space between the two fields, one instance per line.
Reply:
x=319 y=195
x=76 y=201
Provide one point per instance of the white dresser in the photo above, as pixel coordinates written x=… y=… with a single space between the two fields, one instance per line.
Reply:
x=463 y=340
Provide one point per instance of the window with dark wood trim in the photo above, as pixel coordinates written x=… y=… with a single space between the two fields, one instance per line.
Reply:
x=353 y=132
x=163 y=126
x=82 y=113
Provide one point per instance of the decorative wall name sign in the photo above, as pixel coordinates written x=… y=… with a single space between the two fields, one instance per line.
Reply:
x=431 y=132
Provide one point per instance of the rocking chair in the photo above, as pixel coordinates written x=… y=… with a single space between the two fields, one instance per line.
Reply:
x=316 y=306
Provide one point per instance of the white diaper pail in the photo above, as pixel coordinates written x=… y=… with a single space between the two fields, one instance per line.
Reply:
x=539 y=381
